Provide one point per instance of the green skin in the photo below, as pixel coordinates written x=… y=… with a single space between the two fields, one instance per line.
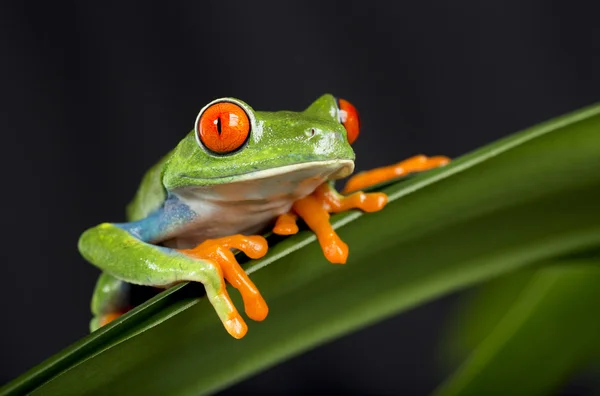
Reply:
x=192 y=195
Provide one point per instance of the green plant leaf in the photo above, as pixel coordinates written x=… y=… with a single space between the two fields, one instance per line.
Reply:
x=545 y=336
x=524 y=199
x=479 y=311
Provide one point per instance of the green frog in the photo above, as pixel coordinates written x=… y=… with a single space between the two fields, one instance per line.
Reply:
x=237 y=173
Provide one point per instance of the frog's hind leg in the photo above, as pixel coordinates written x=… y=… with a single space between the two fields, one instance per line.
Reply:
x=109 y=301
x=418 y=163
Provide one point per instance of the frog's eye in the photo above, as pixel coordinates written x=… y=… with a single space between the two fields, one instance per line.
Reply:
x=349 y=119
x=223 y=127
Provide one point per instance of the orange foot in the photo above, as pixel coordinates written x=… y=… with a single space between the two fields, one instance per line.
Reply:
x=315 y=208
x=418 y=163
x=219 y=252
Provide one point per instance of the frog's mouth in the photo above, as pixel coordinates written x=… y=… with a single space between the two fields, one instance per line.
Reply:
x=322 y=170
x=329 y=170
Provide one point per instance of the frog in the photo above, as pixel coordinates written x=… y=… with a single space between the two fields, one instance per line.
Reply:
x=236 y=174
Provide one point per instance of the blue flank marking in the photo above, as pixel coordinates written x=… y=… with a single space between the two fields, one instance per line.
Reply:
x=171 y=215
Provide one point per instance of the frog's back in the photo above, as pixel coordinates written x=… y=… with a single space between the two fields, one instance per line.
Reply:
x=151 y=193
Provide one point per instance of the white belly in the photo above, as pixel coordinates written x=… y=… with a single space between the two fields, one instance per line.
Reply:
x=249 y=206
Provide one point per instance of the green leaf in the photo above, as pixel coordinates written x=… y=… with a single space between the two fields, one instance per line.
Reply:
x=546 y=335
x=481 y=310
x=524 y=199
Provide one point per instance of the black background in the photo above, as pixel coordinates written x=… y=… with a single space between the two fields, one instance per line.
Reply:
x=94 y=94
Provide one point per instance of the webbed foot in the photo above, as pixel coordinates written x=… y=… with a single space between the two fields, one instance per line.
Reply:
x=218 y=252
x=316 y=207
x=418 y=163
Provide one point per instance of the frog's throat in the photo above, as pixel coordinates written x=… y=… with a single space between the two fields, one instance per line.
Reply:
x=333 y=169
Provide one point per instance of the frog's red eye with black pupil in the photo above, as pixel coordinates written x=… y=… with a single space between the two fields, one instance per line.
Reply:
x=349 y=119
x=223 y=127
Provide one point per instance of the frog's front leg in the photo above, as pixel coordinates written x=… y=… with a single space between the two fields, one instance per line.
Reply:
x=219 y=251
x=315 y=209
x=418 y=163
x=125 y=252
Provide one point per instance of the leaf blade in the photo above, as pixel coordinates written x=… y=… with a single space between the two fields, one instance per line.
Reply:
x=452 y=208
x=542 y=339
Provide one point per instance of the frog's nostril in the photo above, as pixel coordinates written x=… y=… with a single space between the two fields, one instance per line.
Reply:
x=315 y=133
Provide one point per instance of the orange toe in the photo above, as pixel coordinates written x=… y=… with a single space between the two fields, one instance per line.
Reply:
x=236 y=326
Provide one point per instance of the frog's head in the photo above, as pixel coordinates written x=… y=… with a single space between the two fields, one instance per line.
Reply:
x=231 y=142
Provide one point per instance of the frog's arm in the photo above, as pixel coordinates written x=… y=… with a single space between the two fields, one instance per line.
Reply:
x=126 y=252
x=111 y=295
x=315 y=208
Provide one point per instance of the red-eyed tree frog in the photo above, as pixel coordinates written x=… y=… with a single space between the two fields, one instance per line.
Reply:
x=237 y=173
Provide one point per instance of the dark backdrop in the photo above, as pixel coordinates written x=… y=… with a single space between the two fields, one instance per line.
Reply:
x=94 y=94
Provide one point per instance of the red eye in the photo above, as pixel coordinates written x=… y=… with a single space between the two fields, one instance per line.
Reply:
x=349 y=119
x=223 y=127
